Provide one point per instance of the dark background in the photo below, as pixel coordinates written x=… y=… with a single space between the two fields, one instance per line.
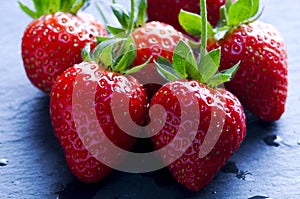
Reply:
x=37 y=168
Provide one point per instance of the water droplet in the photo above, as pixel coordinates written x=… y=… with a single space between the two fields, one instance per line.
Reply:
x=245 y=175
x=273 y=140
x=259 y=197
x=298 y=142
x=231 y=167
x=3 y=162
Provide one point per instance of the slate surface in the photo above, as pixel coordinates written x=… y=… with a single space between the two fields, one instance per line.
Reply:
x=37 y=168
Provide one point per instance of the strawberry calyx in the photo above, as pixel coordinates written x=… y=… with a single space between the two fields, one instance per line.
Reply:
x=114 y=54
x=129 y=20
x=232 y=16
x=118 y=52
x=192 y=23
x=204 y=68
x=43 y=7
x=240 y=12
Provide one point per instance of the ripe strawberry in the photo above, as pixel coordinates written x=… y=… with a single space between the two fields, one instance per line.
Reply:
x=85 y=102
x=261 y=82
x=203 y=125
x=53 y=41
x=191 y=170
x=167 y=11
x=152 y=39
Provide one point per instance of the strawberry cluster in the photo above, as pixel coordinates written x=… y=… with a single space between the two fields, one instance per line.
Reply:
x=111 y=86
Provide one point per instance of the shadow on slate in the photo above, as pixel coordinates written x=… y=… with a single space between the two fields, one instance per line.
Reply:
x=78 y=190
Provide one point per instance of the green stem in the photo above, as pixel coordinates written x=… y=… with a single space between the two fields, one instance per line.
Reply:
x=77 y=5
x=99 y=7
x=224 y=16
x=131 y=20
x=204 y=27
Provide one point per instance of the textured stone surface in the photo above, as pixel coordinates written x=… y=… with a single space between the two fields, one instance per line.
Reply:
x=37 y=168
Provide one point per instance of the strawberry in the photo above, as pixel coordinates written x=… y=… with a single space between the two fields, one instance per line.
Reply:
x=203 y=125
x=191 y=170
x=152 y=39
x=53 y=41
x=167 y=11
x=261 y=82
x=85 y=102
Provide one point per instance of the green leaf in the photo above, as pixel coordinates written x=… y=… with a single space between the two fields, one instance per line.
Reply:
x=166 y=70
x=183 y=59
x=137 y=68
x=228 y=4
x=209 y=64
x=85 y=53
x=115 y=54
x=100 y=55
x=122 y=15
x=184 y=62
x=28 y=11
x=241 y=11
x=255 y=7
x=192 y=23
x=41 y=7
x=106 y=56
x=223 y=76
x=77 y=5
x=126 y=55
x=54 y=6
x=102 y=39
x=142 y=10
x=66 y=5
x=116 y=31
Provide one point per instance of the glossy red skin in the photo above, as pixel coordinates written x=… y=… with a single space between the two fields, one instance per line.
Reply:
x=167 y=10
x=53 y=43
x=261 y=82
x=190 y=170
x=154 y=39
x=69 y=115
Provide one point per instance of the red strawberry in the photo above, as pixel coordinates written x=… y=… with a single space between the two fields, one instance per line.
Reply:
x=85 y=102
x=53 y=41
x=191 y=170
x=261 y=82
x=203 y=125
x=167 y=10
x=152 y=39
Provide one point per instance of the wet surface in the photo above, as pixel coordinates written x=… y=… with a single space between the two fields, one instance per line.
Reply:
x=264 y=166
x=3 y=162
